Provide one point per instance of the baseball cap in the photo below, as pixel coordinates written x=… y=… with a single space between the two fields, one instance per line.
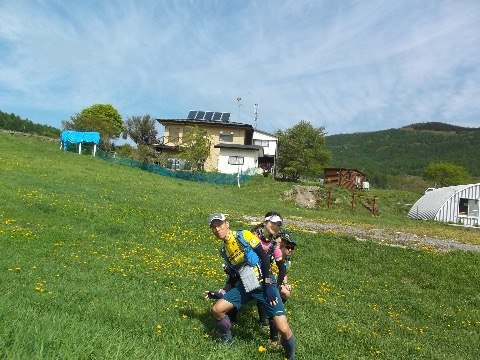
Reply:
x=287 y=237
x=216 y=216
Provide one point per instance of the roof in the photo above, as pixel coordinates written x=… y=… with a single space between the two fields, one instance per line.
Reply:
x=266 y=133
x=343 y=169
x=238 y=146
x=427 y=207
x=204 y=123
x=257 y=148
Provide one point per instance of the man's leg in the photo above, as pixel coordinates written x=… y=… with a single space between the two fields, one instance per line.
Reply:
x=219 y=311
x=262 y=313
x=277 y=312
x=288 y=340
x=273 y=328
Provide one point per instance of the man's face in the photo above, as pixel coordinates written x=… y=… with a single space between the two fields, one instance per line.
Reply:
x=220 y=229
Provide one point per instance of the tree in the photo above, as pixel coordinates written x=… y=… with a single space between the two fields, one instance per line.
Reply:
x=147 y=153
x=141 y=130
x=302 y=151
x=445 y=174
x=103 y=118
x=196 y=146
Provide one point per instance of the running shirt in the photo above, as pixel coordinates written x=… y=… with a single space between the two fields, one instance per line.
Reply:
x=233 y=249
x=288 y=265
x=269 y=245
x=235 y=253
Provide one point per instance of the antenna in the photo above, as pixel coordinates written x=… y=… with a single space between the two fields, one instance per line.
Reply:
x=255 y=118
x=239 y=104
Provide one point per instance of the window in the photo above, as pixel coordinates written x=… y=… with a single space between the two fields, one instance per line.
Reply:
x=263 y=143
x=174 y=135
x=235 y=160
x=468 y=207
x=226 y=137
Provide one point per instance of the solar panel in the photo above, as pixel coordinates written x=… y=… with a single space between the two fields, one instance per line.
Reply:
x=225 y=117
x=191 y=114
x=200 y=115
x=217 y=116
x=208 y=115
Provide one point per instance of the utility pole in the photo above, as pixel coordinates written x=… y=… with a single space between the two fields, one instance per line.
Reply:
x=239 y=104
x=255 y=118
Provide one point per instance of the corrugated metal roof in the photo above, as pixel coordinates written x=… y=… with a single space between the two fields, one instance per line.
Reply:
x=427 y=207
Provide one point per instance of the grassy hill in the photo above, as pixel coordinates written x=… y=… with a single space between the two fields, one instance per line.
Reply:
x=392 y=159
x=407 y=151
x=105 y=261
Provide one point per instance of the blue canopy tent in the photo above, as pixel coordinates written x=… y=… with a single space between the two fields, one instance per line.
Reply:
x=79 y=137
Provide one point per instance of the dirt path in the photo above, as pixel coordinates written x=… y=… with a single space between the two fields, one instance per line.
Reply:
x=387 y=237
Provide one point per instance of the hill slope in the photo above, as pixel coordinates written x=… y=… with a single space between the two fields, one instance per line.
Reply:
x=407 y=150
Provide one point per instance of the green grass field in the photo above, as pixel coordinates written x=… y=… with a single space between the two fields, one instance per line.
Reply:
x=102 y=261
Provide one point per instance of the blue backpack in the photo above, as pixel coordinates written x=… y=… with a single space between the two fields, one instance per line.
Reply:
x=250 y=256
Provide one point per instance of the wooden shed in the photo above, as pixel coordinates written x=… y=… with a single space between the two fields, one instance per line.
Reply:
x=348 y=178
x=456 y=204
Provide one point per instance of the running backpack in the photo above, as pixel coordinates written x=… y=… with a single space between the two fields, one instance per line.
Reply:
x=250 y=256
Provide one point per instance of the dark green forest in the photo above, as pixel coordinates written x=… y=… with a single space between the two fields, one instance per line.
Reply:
x=408 y=150
x=15 y=123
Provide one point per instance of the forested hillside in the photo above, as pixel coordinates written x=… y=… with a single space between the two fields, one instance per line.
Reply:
x=15 y=123
x=388 y=157
x=407 y=151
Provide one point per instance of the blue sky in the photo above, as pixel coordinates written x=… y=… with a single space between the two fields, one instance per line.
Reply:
x=347 y=65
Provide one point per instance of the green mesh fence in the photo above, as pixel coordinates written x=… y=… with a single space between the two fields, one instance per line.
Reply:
x=215 y=178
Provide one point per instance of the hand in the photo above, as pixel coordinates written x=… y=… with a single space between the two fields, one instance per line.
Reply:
x=270 y=294
x=212 y=295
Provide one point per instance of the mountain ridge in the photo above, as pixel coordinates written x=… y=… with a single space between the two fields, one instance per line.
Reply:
x=407 y=150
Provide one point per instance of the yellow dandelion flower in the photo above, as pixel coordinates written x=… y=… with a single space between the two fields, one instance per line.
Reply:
x=159 y=329
x=206 y=336
x=184 y=316
x=262 y=348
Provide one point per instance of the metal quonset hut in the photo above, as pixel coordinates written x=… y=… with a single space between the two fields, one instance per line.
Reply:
x=455 y=204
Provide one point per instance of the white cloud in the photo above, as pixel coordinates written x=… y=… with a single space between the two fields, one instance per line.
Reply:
x=350 y=66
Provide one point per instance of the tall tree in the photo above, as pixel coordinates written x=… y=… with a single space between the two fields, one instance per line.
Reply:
x=141 y=129
x=445 y=174
x=302 y=151
x=195 y=146
x=103 y=118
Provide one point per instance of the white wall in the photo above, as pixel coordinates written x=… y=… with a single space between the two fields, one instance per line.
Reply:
x=271 y=150
x=250 y=160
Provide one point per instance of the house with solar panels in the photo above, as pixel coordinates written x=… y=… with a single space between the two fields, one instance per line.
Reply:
x=454 y=204
x=236 y=147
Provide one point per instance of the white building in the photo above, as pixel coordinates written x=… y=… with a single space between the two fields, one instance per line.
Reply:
x=269 y=143
x=233 y=159
x=234 y=146
x=455 y=204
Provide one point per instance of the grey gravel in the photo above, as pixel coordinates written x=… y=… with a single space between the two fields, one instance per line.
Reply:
x=386 y=237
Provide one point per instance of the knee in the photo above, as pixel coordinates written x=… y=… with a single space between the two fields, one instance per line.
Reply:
x=219 y=311
x=217 y=314
x=283 y=327
x=286 y=332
